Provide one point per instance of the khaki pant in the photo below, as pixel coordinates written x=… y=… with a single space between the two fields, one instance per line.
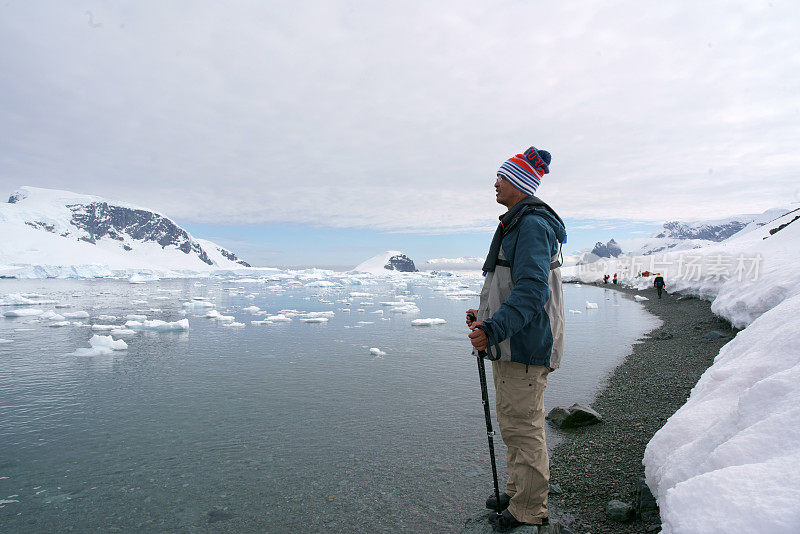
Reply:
x=520 y=415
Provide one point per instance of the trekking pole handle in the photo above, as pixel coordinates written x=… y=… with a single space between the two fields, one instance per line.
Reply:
x=471 y=316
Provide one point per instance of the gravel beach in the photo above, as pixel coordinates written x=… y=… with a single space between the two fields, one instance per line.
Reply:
x=596 y=464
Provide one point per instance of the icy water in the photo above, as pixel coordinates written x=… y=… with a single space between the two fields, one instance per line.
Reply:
x=290 y=426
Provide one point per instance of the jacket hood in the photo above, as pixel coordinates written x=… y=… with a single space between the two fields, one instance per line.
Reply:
x=548 y=214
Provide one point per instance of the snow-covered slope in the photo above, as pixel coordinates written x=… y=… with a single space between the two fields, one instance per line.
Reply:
x=686 y=235
x=729 y=459
x=57 y=230
x=387 y=262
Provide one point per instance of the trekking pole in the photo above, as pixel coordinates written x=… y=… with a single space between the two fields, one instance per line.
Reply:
x=488 y=415
x=489 y=431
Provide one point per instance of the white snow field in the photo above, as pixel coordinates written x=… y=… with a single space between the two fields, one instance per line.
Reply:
x=729 y=459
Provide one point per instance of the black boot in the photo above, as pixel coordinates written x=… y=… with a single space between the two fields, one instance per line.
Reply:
x=491 y=502
x=505 y=522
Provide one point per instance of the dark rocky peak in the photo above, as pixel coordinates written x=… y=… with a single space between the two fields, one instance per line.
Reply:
x=609 y=250
x=231 y=256
x=401 y=263
x=16 y=197
x=99 y=219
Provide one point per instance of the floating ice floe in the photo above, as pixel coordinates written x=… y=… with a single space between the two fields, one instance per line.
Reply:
x=59 y=324
x=25 y=312
x=639 y=298
x=261 y=323
x=104 y=327
x=211 y=314
x=76 y=315
x=575 y=311
x=314 y=319
x=141 y=278
x=225 y=318
x=314 y=315
x=134 y=317
x=591 y=305
x=101 y=345
x=106 y=318
x=252 y=309
x=157 y=325
x=365 y=322
x=233 y=324
x=27 y=299
x=2 y=341
x=376 y=351
x=51 y=316
x=279 y=318
x=322 y=283
x=427 y=322
x=198 y=304
x=410 y=307
x=378 y=312
x=122 y=332
x=138 y=301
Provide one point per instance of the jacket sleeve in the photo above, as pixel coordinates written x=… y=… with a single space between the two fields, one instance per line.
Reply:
x=530 y=272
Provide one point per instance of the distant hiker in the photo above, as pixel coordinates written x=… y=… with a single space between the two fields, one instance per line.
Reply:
x=659 y=284
x=605 y=279
x=615 y=278
x=520 y=324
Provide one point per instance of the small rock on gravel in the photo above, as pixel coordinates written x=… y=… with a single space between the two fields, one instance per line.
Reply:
x=575 y=416
x=619 y=511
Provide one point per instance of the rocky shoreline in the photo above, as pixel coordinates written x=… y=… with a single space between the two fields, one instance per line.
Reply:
x=597 y=464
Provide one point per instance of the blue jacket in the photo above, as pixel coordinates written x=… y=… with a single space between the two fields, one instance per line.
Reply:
x=514 y=302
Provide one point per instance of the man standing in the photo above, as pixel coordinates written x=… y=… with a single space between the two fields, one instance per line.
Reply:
x=659 y=284
x=520 y=323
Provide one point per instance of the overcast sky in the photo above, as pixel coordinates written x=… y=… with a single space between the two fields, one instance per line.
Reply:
x=394 y=117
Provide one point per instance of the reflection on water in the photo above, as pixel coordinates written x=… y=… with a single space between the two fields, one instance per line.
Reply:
x=291 y=425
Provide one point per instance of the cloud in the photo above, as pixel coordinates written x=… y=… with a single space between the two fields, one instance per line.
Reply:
x=396 y=116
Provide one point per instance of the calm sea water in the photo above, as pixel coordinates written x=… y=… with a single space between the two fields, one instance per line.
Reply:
x=264 y=428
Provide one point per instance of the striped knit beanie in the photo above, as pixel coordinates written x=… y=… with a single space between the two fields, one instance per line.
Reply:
x=525 y=171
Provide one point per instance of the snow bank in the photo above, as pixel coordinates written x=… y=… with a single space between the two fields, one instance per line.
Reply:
x=729 y=459
x=101 y=345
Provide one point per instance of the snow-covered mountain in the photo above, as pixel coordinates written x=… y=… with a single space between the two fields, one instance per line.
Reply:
x=677 y=235
x=47 y=227
x=387 y=262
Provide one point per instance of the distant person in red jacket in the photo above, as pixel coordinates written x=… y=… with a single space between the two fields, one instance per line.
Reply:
x=605 y=279
x=659 y=284
x=615 y=278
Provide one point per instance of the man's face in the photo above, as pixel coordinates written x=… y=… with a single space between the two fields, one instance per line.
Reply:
x=506 y=193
